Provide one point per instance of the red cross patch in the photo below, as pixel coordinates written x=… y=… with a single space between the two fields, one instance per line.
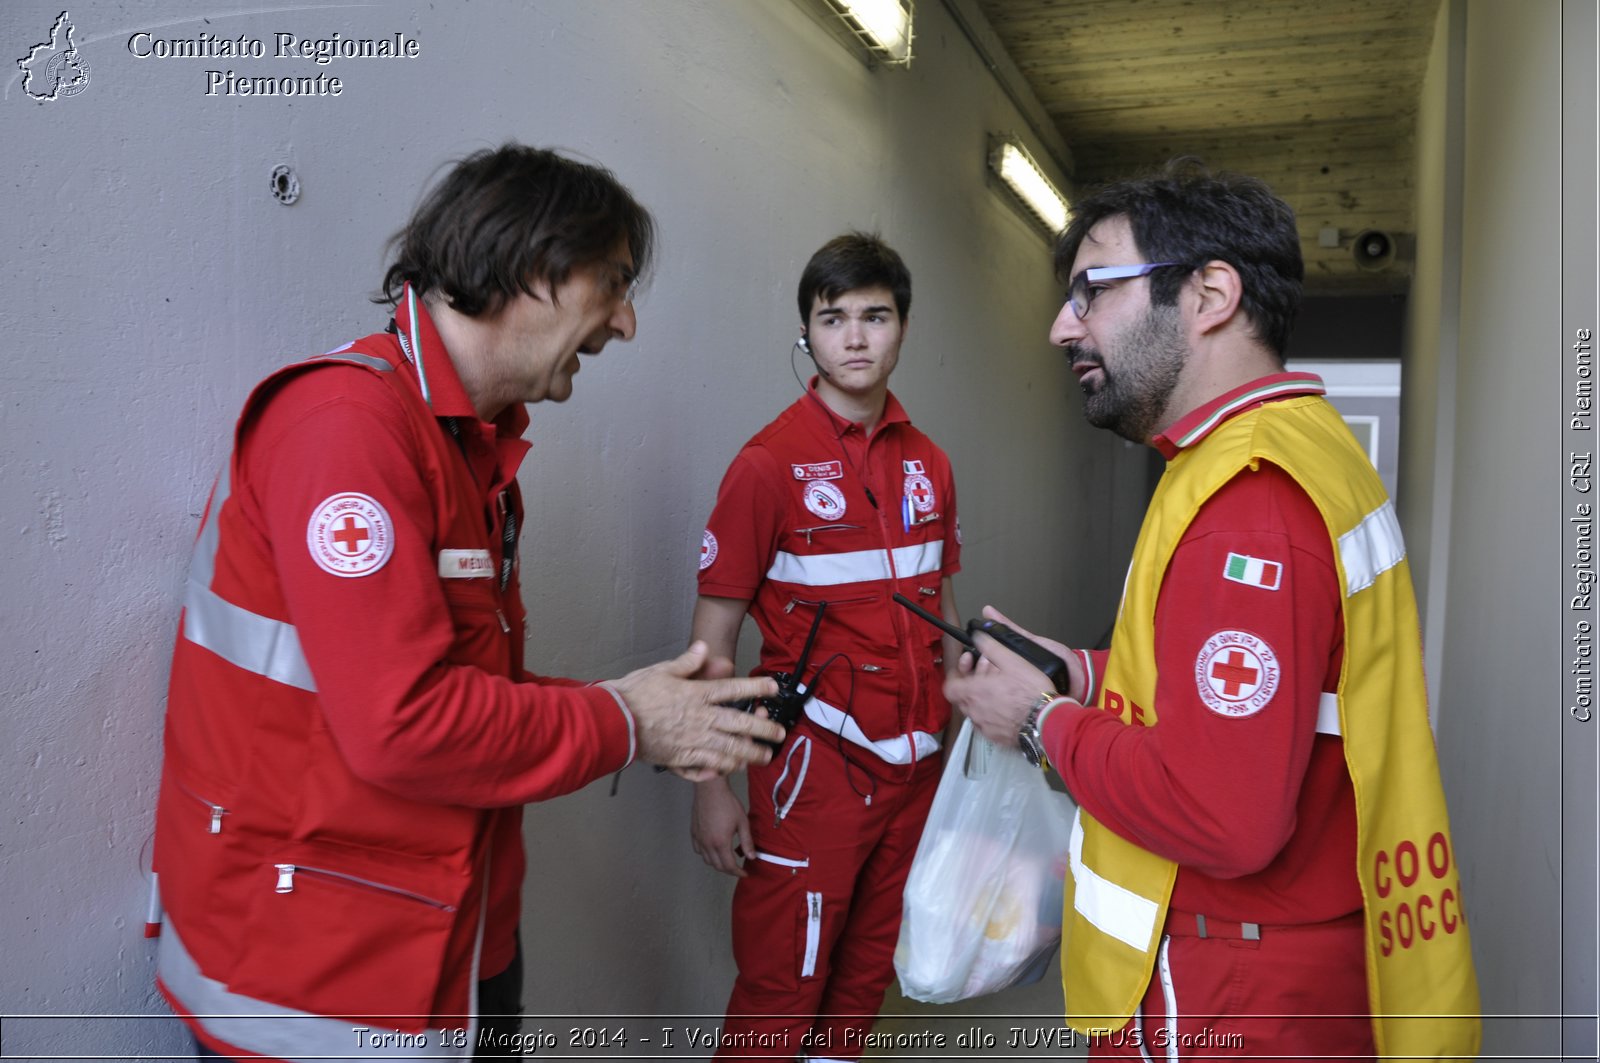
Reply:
x=708 y=549
x=1236 y=673
x=350 y=534
x=920 y=490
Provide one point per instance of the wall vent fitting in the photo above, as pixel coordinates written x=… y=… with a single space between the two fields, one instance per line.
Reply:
x=285 y=185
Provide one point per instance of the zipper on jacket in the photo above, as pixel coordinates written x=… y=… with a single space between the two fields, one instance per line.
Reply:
x=814 y=602
x=808 y=966
x=217 y=811
x=505 y=627
x=287 y=872
x=826 y=527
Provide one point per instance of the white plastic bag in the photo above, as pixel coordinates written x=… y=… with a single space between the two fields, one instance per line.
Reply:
x=983 y=901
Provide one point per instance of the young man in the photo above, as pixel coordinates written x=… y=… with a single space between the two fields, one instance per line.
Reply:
x=1262 y=867
x=350 y=730
x=841 y=503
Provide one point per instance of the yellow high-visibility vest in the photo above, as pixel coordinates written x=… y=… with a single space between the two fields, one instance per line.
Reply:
x=1420 y=978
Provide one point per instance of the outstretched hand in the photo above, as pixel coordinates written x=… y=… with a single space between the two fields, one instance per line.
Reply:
x=684 y=724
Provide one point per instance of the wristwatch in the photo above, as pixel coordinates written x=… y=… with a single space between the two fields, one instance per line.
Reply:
x=1028 y=735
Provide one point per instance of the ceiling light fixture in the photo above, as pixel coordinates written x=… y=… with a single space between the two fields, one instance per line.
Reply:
x=1015 y=167
x=884 y=26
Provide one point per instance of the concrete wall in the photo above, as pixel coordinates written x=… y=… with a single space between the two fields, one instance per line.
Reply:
x=150 y=278
x=1481 y=490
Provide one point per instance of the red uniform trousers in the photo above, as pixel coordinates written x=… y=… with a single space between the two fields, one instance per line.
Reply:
x=816 y=920
x=1295 y=993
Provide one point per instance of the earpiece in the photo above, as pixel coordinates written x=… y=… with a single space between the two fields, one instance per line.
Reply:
x=805 y=346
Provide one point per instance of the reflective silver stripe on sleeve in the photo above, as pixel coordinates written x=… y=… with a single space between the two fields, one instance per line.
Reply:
x=1328 y=714
x=1371 y=548
x=857 y=566
x=1113 y=909
x=279 y=1032
x=256 y=643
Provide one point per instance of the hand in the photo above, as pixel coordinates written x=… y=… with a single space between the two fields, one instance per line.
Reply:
x=1079 y=685
x=997 y=690
x=719 y=828
x=683 y=724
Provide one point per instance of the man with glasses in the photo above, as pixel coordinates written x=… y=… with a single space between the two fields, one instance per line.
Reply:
x=1262 y=863
x=350 y=730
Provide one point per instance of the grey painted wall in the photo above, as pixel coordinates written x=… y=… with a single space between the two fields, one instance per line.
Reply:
x=150 y=279
x=1481 y=490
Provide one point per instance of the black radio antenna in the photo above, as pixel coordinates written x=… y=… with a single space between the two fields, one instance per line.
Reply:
x=805 y=652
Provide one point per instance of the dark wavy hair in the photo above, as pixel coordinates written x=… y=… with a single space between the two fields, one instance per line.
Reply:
x=505 y=219
x=854 y=260
x=1185 y=213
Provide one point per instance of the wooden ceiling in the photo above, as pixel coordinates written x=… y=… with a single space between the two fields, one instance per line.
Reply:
x=1316 y=97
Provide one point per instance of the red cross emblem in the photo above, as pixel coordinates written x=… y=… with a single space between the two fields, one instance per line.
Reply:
x=1236 y=673
x=350 y=535
x=708 y=549
x=920 y=490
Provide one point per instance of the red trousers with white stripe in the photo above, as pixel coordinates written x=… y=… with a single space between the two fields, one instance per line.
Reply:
x=1298 y=993
x=816 y=920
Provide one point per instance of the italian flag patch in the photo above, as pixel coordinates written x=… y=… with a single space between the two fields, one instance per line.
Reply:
x=1253 y=572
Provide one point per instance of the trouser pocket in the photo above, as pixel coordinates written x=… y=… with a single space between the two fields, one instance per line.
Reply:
x=778 y=922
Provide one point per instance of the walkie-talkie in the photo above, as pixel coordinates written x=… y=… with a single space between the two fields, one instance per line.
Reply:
x=784 y=707
x=1048 y=663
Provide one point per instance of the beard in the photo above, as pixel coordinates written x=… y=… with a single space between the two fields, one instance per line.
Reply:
x=1150 y=356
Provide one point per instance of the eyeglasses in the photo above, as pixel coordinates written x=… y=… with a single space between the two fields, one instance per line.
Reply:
x=1091 y=282
x=624 y=282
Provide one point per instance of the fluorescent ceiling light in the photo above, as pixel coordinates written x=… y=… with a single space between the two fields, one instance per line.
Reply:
x=1012 y=163
x=884 y=25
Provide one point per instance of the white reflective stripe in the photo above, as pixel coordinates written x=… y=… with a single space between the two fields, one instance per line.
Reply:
x=1138 y=1032
x=782 y=861
x=1110 y=908
x=813 y=934
x=203 y=563
x=920 y=559
x=272 y=1029
x=799 y=779
x=371 y=361
x=901 y=749
x=473 y=1019
x=258 y=644
x=1371 y=548
x=1089 y=678
x=153 y=914
x=627 y=714
x=1170 y=994
x=1328 y=714
x=416 y=345
x=857 y=566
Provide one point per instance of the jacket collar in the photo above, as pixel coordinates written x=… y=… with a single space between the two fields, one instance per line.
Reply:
x=1200 y=422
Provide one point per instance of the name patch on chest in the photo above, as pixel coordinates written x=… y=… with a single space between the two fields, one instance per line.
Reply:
x=823 y=470
x=465 y=564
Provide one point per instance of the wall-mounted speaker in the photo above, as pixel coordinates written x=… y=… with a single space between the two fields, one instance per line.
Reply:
x=1373 y=249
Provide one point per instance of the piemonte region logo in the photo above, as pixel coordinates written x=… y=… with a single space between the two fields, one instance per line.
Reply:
x=55 y=68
